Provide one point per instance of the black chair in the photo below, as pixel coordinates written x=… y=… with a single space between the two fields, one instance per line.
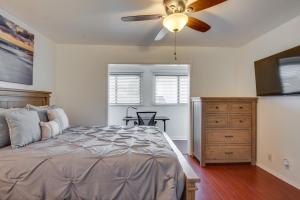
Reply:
x=146 y=119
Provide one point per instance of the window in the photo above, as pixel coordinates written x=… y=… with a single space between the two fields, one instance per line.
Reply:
x=125 y=89
x=171 y=89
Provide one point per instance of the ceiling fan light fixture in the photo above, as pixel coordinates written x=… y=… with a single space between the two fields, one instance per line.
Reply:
x=175 y=22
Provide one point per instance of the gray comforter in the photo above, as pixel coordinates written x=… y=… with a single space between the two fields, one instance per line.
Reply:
x=93 y=163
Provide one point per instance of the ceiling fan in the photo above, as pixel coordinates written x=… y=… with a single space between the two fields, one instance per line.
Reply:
x=176 y=17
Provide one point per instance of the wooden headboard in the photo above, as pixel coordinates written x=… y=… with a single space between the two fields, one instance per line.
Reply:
x=16 y=98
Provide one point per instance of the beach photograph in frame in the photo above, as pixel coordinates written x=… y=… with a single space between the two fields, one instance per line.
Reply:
x=16 y=53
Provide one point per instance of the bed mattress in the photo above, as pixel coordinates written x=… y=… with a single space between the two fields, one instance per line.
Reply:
x=105 y=163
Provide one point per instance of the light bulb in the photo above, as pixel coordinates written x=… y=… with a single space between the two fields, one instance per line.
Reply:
x=175 y=22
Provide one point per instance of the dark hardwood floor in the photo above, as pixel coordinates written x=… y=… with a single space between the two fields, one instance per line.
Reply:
x=238 y=182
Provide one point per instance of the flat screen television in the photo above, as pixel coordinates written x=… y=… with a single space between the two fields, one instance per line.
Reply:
x=279 y=74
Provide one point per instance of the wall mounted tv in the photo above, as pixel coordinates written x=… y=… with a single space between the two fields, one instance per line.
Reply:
x=279 y=74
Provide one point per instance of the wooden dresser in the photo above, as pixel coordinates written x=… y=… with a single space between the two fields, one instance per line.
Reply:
x=224 y=130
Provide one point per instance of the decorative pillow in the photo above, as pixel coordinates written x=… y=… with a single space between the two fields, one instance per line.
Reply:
x=49 y=129
x=59 y=116
x=41 y=110
x=23 y=127
x=4 y=131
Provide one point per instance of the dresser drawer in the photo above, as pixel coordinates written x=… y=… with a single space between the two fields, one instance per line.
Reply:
x=228 y=153
x=216 y=107
x=216 y=121
x=228 y=136
x=239 y=121
x=240 y=107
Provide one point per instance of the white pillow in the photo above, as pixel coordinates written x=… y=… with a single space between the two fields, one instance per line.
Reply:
x=60 y=117
x=49 y=129
x=23 y=127
x=4 y=131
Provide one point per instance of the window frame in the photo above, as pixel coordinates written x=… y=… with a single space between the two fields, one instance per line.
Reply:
x=178 y=89
x=139 y=74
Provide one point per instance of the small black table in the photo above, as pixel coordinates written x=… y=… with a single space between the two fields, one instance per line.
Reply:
x=157 y=118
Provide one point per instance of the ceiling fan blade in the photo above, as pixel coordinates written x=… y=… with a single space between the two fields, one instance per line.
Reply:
x=162 y=33
x=203 y=4
x=141 y=18
x=198 y=25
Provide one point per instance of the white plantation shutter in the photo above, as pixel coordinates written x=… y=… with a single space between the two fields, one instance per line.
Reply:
x=171 y=89
x=112 y=89
x=166 y=89
x=183 y=89
x=125 y=89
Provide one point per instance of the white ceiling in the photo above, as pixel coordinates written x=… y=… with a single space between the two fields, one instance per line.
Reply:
x=234 y=22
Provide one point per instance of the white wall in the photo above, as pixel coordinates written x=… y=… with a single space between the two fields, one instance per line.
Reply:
x=43 y=64
x=82 y=74
x=178 y=126
x=278 y=117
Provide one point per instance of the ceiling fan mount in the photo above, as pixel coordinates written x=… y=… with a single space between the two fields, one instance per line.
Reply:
x=175 y=6
x=176 y=16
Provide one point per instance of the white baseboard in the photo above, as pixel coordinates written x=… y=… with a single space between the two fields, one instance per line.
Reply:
x=278 y=175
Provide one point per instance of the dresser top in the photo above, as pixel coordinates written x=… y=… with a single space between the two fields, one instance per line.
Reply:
x=225 y=98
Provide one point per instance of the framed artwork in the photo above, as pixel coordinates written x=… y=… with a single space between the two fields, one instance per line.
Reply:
x=16 y=53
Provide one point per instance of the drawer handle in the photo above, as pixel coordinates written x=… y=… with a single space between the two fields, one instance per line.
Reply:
x=217 y=107
x=241 y=121
x=241 y=107
x=229 y=136
x=228 y=153
x=217 y=122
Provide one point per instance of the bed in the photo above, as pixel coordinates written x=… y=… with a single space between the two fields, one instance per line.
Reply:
x=94 y=162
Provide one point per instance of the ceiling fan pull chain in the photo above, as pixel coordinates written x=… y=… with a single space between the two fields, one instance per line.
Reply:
x=175 y=48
